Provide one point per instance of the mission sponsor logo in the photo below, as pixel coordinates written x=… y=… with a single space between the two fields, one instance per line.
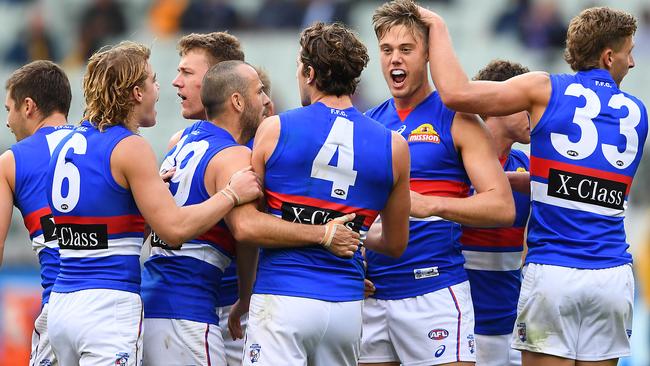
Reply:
x=424 y=133
x=49 y=228
x=82 y=236
x=310 y=215
x=586 y=189
x=420 y=273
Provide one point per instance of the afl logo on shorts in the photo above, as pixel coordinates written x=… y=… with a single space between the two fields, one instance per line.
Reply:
x=438 y=334
x=424 y=133
x=254 y=352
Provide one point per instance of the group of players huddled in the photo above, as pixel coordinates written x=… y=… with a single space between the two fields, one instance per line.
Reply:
x=327 y=236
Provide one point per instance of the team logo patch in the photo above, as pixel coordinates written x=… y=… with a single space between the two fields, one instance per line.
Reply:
x=438 y=334
x=521 y=331
x=254 y=352
x=420 y=273
x=471 y=343
x=440 y=351
x=122 y=359
x=424 y=133
x=45 y=362
x=629 y=332
x=521 y=169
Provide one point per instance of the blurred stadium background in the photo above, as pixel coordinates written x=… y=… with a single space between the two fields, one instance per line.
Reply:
x=67 y=31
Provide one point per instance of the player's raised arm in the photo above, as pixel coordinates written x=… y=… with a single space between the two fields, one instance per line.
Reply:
x=394 y=217
x=521 y=93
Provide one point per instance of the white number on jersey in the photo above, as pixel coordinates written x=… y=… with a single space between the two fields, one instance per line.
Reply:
x=342 y=175
x=184 y=173
x=588 y=141
x=55 y=137
x=68 y=171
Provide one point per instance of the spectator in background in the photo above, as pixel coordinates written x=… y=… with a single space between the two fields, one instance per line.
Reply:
x=102 y=20
x=281 y=14
x=511 y=18
x=542 y=27
x=34 y=42
x=327 y=11
x=165 y=16
x=209 y=15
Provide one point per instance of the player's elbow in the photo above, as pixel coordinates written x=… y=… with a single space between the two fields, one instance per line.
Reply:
x=453 y=99
x=505 y=213
x=243 y=231
x=397 y=246
x=173 y=237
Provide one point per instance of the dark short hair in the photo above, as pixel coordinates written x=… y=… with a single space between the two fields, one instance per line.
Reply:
x=219 y=46
x=337 y=56
x=45 y=83
x=500 y=70
x=219 y=83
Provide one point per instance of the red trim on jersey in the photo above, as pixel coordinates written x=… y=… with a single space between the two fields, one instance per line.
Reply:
x=33 y=219
x=496 y=238
x=275 y=200
x=540 y=167
x=116 y=224
x=441 y=188
x=221 y=236
x=403 y=113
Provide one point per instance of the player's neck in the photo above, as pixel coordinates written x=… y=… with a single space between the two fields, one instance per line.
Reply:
x=332 y=101
x=53 y=120
x=413 y=100
x=232 y=125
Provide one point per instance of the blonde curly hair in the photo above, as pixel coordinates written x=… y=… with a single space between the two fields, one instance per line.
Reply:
x=111 y=75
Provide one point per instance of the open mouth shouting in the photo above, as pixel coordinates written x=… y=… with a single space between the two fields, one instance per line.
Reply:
x=398 y=76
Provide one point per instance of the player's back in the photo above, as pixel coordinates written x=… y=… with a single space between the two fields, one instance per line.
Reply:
x=493 y=261
x=585 y=151
x=98 y=223
x=432 y=259
x=32 y=157
x=182 y=283
x=327 y=162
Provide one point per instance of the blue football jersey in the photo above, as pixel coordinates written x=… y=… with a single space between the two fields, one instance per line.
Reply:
x=585 y=151
x=327 y=163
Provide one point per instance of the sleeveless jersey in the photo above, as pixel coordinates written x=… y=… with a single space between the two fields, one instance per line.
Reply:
x=32 y=157
x=585 y=151
x=493 y=262
x=327 y=163
x=98 y=224
x=228 y=290
x=433 y=258
x=183 y=283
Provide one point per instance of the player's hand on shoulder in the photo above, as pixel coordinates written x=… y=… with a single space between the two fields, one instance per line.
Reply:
x=340 y=240
x=245 y=184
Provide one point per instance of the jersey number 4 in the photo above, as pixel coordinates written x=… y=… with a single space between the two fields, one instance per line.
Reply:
x=588 y=141
x=342 y=175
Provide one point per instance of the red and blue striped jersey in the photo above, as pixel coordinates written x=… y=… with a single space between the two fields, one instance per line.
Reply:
x=493 y=262
x=433 y=258
x=32 y=157
x=585 y=151
x=183 y=283
x=327 y=163
x=98 y=224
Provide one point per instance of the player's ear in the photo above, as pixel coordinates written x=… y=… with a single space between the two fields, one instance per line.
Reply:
x=607 y=57
x=237 y=101
x=29 y=107
x=137 y=93
x=311 y=74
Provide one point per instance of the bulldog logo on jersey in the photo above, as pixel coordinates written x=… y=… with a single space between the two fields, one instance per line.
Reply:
x=254 y=352
x=122 y=359
x=521 y=331
x=424 y=133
